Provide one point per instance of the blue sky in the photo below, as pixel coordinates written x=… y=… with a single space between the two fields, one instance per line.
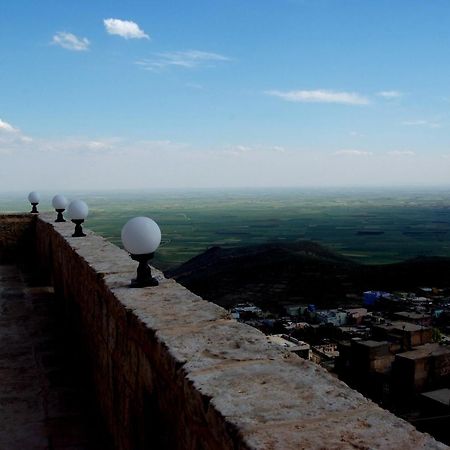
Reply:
x=144 y=94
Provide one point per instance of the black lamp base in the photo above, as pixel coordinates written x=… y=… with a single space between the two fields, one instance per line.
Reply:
x=60 y=217
x=144 y=272
x=135 y=283
x=34 y=209
x=78 y=228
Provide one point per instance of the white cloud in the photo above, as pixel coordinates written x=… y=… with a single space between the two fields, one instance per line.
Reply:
x=235 y=150
x=98 y=145
x=422 y=123
x=352 y=152
x=70 y=42
x=402 y=153
x=390 y=94
x=125 y=28
x=356 y=134
x=159 y=146
x=73 y=162
x=241 y=150
x=321 y=96
x=196 y=86
x=12 y=139
x=186 y=59
x=79 y=145
x=12 y=136
x=104 y=147
x=6 y=127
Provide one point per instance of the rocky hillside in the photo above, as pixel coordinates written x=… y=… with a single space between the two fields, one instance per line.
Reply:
x=271 y=275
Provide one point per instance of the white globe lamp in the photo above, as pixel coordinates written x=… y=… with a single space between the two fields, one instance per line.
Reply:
x=141 y=237
x=78 y=211
x=59 y=202
x=34 y=198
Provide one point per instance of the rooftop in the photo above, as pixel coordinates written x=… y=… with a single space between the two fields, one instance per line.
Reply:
x=439 y=395
x=412 y=315
x=279 y=339
x=402 y=326
x=372 y=344
x=424 y=351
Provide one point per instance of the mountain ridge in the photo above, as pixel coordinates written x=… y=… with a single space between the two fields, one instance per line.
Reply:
x=274 y=274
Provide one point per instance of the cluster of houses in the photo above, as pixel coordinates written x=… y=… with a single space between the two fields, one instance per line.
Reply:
x=394 y=348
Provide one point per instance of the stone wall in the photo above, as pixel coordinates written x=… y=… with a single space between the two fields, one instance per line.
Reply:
x=16 y=235
x=173 y=371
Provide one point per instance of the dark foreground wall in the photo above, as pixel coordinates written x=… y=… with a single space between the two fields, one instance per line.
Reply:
x=173 y=371
x=16 y=236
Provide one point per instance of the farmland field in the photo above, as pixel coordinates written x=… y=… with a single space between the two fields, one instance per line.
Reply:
x=368 y=226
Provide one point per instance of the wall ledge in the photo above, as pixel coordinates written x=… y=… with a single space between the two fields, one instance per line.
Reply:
x=217 y=383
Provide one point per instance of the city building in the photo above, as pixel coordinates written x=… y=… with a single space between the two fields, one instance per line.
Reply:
x=405 y=334
x=300 y=348
x=426 y=367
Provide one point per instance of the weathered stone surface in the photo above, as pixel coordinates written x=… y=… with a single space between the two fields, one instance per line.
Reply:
x=174 y=371
x=246 y=391
x=362 y=429
x=222 y=342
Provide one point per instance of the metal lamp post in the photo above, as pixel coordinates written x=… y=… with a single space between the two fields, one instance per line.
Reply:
x=34 y=198
x=141 y=237
x=59 y=202
x=78 y=211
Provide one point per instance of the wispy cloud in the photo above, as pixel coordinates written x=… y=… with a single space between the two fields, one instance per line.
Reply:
x=11 y=137
x=238 y=150
x=422 y=123
x=70 y=42
x=390 y=95
x=242 y=150
x=80 y=145
x=402 y=153
x=68 y=162
x=188 y=59
x=105 y=147
x=353 y=152
x=196 y=86
x=100 y=145
x=7 y=127
x=125 y=28
x=321 y=96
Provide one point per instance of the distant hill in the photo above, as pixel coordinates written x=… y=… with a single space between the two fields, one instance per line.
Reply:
x=271 y=275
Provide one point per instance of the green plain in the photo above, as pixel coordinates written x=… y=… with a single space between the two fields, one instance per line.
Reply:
x=411 y=222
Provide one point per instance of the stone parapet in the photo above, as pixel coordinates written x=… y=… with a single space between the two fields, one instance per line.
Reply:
x=173 y=371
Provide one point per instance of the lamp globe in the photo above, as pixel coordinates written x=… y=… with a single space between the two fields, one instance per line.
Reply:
x=59 y=202
x=141 y=237
x=34 y=198
x=78 y=211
